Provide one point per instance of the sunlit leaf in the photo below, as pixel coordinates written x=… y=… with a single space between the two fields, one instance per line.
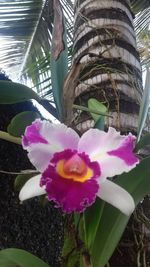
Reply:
x=94 y=104
x=14 y=92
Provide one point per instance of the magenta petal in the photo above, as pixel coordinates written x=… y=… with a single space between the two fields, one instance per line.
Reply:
x=32 y=135
x=125 y=151
x=68 y=194
x=71 y=196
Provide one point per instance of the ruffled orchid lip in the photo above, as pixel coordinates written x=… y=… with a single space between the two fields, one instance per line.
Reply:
x=75 y=166
x=74 y=191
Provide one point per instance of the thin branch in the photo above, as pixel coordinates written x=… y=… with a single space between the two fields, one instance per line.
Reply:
x=20 y=173
x=91 y=111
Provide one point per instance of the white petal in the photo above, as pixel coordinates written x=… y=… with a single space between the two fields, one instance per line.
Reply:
x=96 y=142
x=42 y=139
x=111 y=166
x=59 y=136
x=31 y=189
x=117 y=197
x=113 y=152
x=40 y=156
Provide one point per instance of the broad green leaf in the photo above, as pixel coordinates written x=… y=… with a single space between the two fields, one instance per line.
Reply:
x=144 y=106
x=21 y=121
x=94 y=104
x=113 y=222
x=13 y=257
x=109 y=231
x=6 y=263
x=144 y=141
x=11 y=92
x=59 y=69
x=92 y=217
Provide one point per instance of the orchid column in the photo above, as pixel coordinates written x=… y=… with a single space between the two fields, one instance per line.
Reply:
x=105 y=46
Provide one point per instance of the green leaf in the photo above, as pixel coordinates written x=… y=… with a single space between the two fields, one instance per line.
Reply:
x=6 y=263
x=144 y=141
x=92 y=217
x=13 y=257
x=21 y=121
x=137 y=181
x=94 y=104
x=59 y=69
x=109 y=231
x=113 y=222
x=11 y=92
x=144 y=106
x=100 y=123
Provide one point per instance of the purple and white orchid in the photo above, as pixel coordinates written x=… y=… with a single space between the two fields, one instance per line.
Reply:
x=74 y=169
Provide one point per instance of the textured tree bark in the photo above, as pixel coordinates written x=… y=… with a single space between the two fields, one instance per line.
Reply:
x=105 y=49
x=106 y=66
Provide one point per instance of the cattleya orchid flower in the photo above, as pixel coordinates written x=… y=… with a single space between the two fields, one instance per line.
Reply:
x=74 y=170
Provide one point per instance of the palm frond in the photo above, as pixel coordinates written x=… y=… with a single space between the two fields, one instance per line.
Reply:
x=138 y=5
x=26 y=32
x=18 y=20
x=142 y=28
x=36 y=68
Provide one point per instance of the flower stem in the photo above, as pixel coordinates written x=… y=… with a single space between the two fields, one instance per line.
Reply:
x=86 y=260
x=7 y=137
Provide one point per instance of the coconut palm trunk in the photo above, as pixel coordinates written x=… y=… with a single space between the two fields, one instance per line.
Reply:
x=110 y=70
x=106 y=66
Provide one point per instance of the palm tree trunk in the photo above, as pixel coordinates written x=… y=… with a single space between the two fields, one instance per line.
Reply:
x=110 y=70
x=105 y=66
